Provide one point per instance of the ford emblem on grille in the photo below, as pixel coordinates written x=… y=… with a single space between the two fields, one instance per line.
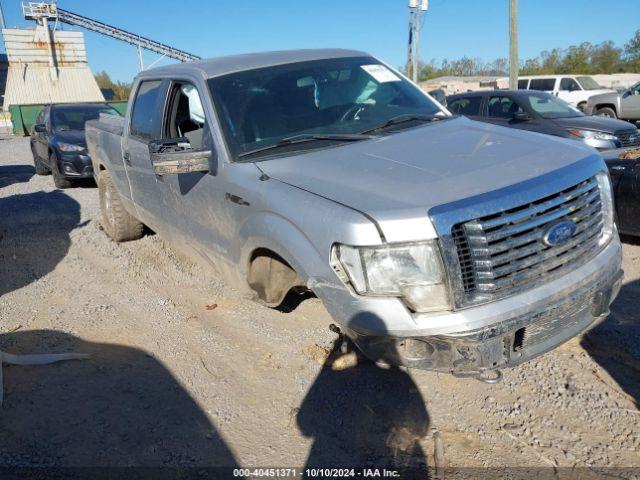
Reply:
x=559 y=233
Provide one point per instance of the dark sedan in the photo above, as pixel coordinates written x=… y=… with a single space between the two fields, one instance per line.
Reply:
x=58 y=144
x=543 y=113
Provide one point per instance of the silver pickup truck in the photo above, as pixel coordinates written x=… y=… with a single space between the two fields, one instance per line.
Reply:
x=434 y=241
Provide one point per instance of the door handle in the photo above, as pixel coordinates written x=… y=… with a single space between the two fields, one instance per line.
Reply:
x=126 y=157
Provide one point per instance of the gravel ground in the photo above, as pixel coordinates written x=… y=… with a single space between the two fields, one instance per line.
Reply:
x=173 y=381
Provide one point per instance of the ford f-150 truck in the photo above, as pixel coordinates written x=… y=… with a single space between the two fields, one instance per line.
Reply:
x=434 y=241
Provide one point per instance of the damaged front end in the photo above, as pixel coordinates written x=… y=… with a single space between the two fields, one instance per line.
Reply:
x=481 y=352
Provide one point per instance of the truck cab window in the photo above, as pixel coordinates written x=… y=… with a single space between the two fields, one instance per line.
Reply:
x=569 y=84
x=185 y=116
x=144 y=110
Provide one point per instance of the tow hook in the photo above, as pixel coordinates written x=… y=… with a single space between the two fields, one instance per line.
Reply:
x=487 y=376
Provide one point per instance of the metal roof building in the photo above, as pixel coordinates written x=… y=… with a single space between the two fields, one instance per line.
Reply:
x=47 y=67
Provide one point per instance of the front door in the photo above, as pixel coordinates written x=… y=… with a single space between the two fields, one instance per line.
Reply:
x=570 y=91
x=198 y=198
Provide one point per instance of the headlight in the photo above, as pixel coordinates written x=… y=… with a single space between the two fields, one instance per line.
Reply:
x=413 y=272
x=606 y=198
x=591 y=135
x=69 y=147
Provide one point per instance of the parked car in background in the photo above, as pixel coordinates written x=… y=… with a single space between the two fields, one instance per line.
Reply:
x=573 y=89
x=624 y=105
x=624 y=168
x=541 y=112
x=58 y=143
x=434 y=241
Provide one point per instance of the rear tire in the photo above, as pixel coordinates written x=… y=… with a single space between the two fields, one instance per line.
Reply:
x=606 y=112
x=582 y=106
x=58 y=180
x=119 y=224
x=41 y=169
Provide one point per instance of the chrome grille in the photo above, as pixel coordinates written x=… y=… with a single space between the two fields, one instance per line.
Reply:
x=628 y=138
x=500 y=254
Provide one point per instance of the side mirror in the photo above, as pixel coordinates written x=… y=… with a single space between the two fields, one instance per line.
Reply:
x=521 y=117
x=40 y=128
x=175 y=155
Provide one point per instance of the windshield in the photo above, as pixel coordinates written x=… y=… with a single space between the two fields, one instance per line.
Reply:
x=589 y=83
x=261 y=107
x=74 y=117
x=548 y=106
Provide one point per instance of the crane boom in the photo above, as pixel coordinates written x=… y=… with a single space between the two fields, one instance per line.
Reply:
x=42 y=10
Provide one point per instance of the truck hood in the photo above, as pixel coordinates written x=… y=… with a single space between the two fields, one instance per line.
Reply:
x=399 y=177
x=609 y=96
x=602 y=91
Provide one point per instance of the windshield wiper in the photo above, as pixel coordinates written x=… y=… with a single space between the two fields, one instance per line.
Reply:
x=406 y=118
x=304 y=138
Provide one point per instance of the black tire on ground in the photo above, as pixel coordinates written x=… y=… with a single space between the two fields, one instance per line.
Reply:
x=119 y=224
x=606 y=112
x=582 y=106
x=41 y=168
x=58 y=180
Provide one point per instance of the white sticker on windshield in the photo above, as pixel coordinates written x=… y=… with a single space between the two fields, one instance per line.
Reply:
x=380 y=73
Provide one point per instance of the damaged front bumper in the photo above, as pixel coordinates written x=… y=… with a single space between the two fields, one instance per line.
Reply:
x=497 y=335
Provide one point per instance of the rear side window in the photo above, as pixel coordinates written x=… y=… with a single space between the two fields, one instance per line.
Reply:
x=544 y=84
x=569 y=84
x=145 y=110
x=522 y=84
x=465 y=106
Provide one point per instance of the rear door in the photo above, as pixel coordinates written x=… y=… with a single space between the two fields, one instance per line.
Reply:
x=148 y=190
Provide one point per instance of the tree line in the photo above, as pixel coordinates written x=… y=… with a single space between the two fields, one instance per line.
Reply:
x=120 y=89
x=585 y=58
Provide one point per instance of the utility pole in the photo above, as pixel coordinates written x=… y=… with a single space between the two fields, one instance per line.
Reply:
x=416 y=9
x=2 y=24
x=410 y=43
x=513 y=44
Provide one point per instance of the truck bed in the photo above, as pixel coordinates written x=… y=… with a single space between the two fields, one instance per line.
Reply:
x=104 y=142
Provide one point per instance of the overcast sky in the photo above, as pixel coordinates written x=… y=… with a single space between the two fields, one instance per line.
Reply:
x=452 y=29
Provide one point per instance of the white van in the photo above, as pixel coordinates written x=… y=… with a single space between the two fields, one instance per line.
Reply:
x=573 y=89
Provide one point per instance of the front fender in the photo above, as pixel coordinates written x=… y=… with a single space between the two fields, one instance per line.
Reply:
x=278 y=234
